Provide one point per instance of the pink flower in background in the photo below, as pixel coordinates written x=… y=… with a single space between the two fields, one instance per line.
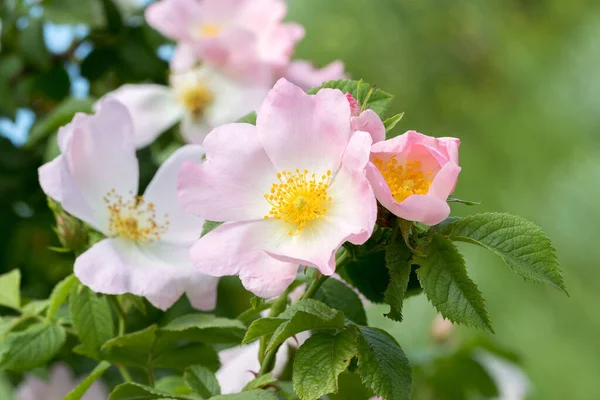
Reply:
x=59 y=384
x=291 y=190
x=304 y=74
x=200 y=99
x=413 y=175
x=235 y=34
x=146 y=250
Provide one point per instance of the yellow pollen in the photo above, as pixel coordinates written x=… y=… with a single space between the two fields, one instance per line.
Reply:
x=209 y=30
x=133 y=219
x=196 y=99
x=298 y=198
x=403 y=180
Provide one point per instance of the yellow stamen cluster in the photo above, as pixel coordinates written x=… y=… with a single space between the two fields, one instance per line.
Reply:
x=134 y=219
x=298 y=198
x=209 y=31
x=196 y=98
x=403 y=180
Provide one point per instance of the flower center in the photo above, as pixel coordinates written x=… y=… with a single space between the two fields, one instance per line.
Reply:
x=196 y=98
x=403 y=180
x=209 y=30
x=298 y=198
x=134 y=219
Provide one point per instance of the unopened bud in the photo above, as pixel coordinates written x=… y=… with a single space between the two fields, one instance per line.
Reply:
x=71 y=232
x=441 y=329
x=354 y=106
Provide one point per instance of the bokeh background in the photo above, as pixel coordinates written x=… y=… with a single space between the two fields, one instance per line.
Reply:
x=517 y=80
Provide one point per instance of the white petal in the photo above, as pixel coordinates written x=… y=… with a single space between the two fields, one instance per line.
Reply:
x=184 y=228
x=153 y=108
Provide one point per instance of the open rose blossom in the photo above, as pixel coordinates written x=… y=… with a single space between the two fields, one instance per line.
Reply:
x=146 y=250
x=291 y=190
x=413 y=175
x=226 y=33
x=200 y=99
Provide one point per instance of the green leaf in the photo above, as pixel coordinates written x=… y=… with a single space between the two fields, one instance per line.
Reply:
x=398 y=261
x=35 y=307
x=59 y=295
x=382 y=365
x=135 y=391
x=206 y=328
x=74 y=12
x=91 y=317
x=520 y=243
x=379 y=101
x=173 y=384
x=132 y=348
x=79 y=391
x=179 y=357
x=202 y=381
x=249 y=118
x=61 y=115
x=9 y=289
x=6 y=391
x=260 y=382
x=391 y=122
x=337 y=295
x=209 y=226
x=306 y=315
x=32 y=46
x=261 y=327
x=132 y=302
x=251 y=395
x=31 y=348
x=320 y=360
x=368 y=274
x=444 y=278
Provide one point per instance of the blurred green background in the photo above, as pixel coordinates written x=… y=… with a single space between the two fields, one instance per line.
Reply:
x=517 y=80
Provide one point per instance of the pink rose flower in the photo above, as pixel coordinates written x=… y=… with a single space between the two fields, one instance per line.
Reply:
x=291 y=190
x=234 y=34
x=366 y=121
x=148 y=237
x=201 y=99
x=60 y=383
x=413 y=175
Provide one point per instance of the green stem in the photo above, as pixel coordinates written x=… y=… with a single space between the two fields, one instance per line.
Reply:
x=250 y=313
x=125 y=374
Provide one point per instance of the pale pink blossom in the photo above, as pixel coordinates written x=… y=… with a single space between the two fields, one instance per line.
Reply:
x=291 y=190
x=232 y=34
x=201 y=99
x=413 y=175
x=60 y=382
x=305 y=75
x=95 y=178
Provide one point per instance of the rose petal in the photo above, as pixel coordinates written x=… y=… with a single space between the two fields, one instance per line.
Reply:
x=369 y=121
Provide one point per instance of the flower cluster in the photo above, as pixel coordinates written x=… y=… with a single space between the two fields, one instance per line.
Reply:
x=229 y=53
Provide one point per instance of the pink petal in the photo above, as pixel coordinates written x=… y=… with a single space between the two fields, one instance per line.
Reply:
x=358 y=151
x=426 y=209
x=369 y=121
x=445 y=181
x=231 y=184
x=305 y=75
x=184 y=228
x=237 y=248
x=159 y=272
x=302 y=131
x=184 y=58
x=100 y=156
x=173 y=18
x=351 y=217
x=153 y=109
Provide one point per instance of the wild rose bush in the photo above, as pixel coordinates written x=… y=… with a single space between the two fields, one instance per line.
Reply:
x=292 y=179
